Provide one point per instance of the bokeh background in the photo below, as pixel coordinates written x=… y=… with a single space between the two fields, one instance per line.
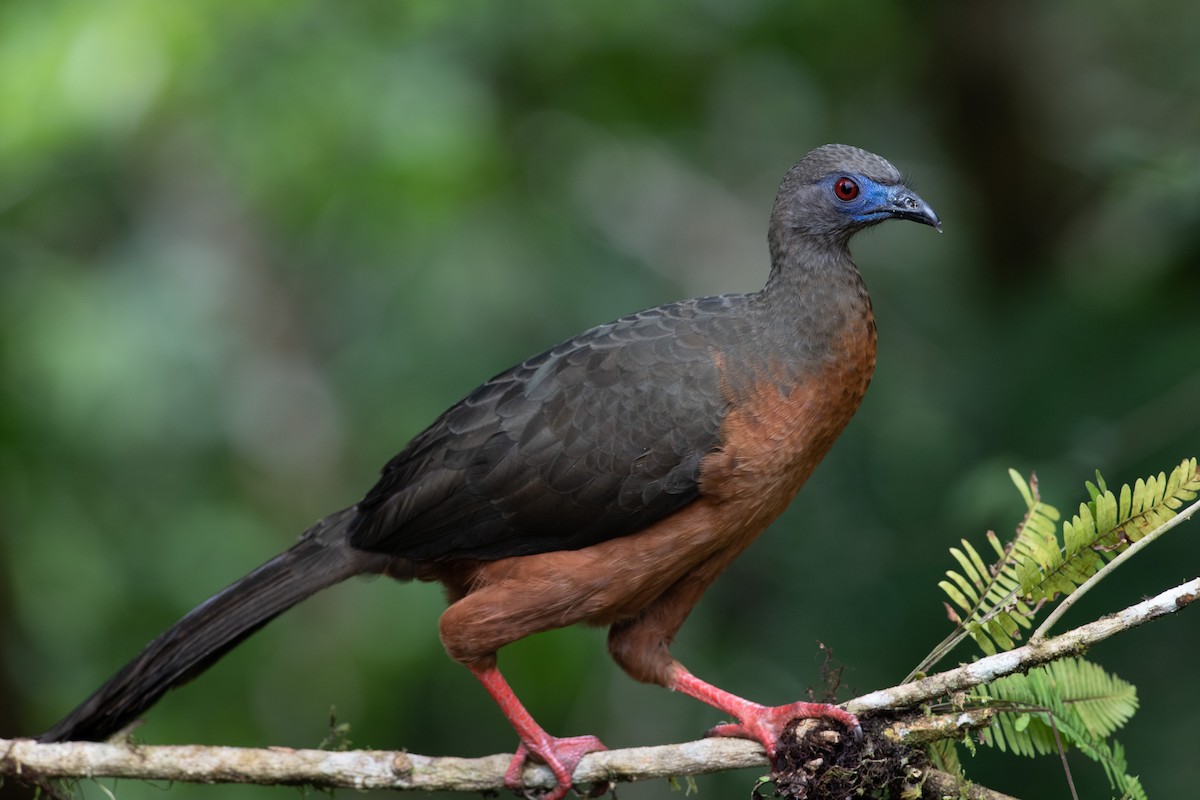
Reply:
x=248 y=249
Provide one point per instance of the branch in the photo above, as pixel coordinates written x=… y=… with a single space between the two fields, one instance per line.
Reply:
x=940 y=785
x=381 y=769
x=361 y=769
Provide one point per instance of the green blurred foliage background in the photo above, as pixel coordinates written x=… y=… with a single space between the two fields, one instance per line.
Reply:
x=248 y=249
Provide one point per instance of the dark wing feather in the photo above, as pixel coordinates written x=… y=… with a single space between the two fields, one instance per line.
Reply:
x=593 y=439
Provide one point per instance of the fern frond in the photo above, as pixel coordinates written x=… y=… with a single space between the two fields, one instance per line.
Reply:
x=1039 y=566
x=1078 y=699
x=993 y=611
x=1083 y=696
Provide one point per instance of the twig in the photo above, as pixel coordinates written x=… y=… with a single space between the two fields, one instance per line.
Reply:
x=917 y=728
x=910 y=695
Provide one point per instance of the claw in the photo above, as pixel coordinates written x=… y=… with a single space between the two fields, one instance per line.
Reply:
x=765 y=724
x=561 y=755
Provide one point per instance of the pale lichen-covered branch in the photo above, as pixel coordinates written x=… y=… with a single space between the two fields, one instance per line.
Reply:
x=361 y=769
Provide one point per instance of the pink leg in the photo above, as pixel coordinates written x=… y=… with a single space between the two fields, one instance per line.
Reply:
x=561 y=755
x=764 y=724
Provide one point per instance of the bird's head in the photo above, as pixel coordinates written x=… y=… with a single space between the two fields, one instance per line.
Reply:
x=837 y=190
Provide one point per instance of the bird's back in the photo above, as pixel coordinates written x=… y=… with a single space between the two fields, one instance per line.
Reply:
x=607 y=432
x=594 y=438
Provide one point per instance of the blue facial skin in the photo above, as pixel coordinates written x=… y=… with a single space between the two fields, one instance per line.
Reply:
x=877 y=202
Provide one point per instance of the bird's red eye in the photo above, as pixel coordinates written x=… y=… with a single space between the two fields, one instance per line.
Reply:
x=845 y=189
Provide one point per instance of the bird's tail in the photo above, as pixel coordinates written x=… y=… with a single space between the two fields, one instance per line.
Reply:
x=320 y=559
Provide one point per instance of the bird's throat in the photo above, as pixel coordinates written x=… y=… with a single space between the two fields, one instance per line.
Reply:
x=814 y=317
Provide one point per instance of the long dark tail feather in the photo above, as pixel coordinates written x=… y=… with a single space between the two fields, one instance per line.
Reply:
x=320 y=559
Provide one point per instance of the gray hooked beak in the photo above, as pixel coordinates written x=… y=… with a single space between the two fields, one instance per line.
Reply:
x=904 y=203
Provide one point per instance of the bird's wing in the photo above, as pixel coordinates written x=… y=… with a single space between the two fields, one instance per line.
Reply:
x=593 y=439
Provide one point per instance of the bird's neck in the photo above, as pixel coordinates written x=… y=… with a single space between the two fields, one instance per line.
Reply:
x=815 y=307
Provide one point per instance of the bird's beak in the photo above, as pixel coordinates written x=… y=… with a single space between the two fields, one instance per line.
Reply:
x=904 y=203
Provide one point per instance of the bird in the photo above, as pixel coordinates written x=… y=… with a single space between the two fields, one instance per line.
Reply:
x=607 y=481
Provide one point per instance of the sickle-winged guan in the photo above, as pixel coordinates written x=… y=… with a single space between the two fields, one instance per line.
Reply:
x=608 y=480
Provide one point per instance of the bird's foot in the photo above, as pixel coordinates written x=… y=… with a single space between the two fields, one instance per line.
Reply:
x=561 y=755
x=765 y=724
